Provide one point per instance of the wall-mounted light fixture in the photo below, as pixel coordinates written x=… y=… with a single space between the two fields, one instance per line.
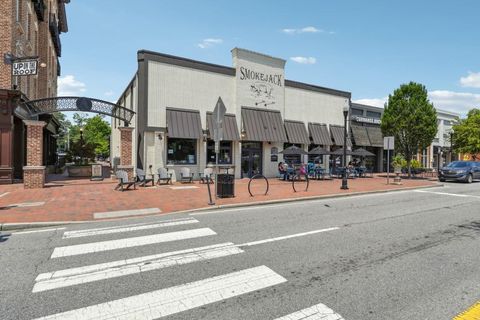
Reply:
x=243 y=134
x=205 y=137
x=160 y=136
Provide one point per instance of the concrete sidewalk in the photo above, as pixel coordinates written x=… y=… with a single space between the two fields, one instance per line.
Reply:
x=84 y=200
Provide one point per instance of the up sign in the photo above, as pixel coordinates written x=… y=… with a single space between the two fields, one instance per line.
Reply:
x=24 y=68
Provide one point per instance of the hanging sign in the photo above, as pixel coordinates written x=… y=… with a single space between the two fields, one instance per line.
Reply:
x=24 y=68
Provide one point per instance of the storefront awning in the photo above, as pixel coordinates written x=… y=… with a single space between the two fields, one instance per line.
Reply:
x=319 y=133
x=376 y=136
x=184 y=124
x=337 y=134
x=360 y=136
x=263 y=125
x=230 y=128
x=297 y=132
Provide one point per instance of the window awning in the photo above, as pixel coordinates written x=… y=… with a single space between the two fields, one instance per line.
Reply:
x=376 y=136
x=184 y=124
x=360 y=136
x=263 y=125
x=337 y=134
x=319 y=133
x=297 y=132
x=230 y=128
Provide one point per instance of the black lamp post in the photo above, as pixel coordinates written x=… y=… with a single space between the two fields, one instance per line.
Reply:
x=344 y=177
x=81 y=145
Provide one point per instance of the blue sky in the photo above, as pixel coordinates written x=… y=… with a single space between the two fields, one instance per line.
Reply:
x=366 y=47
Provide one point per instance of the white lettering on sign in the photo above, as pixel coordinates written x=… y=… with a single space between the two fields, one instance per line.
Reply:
x=24 y=68
x=367 y=120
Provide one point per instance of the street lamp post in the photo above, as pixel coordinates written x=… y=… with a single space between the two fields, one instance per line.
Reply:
x=81 y=145
x=344 y=177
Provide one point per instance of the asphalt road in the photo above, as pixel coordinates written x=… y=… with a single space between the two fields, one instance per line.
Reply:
x=403 y=255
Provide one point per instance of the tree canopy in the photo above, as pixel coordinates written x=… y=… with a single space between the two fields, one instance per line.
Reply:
x=411 y=118
x=466 y=134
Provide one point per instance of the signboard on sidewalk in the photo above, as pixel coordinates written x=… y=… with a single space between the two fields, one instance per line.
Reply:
x=388 y=143
x=24 y=67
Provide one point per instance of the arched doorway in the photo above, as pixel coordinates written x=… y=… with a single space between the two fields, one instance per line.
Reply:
x=34 y=169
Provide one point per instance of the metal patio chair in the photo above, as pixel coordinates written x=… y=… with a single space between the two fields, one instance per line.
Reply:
x=206 y=176
x=186 y=175
x=123 y=182
x=164 y=176
x=142 y=179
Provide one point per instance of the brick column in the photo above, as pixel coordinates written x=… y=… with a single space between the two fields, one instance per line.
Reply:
x=126 y=161
x=34 y=171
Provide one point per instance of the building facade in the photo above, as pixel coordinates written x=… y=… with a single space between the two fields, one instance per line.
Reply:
x=174 y=97
x=28 y=28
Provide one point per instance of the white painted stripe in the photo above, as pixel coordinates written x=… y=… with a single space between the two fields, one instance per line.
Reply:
x=127 y=228
x=40 y=230
x=125 y=213
x=449 y=194
x=253 y=243
x=183 y=187
x=4 y=194
x=316 y=312
x=81 y=275
x=164 y=302
x=26 y=204
x=129 y=242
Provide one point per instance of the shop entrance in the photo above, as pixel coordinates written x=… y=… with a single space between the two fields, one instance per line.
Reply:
x=251 y=158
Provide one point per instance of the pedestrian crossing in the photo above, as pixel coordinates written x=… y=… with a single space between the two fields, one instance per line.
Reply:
x=162 y=301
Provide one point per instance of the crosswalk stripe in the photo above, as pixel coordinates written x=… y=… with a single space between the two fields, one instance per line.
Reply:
x=129 y=242
x=316 y=312
x=125 y=213
x=127 y=228
x=102 y=271
x=180 y=298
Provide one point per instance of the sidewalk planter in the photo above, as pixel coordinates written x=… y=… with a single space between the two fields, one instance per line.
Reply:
x=397 y=170
x=80 y=171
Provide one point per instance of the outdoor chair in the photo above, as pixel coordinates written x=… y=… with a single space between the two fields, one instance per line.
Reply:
x=206 y=176
x=142 y=179
x=164 y=176
x=123 y=182
x=186 y=176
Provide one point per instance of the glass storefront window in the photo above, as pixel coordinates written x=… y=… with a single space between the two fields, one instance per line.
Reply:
x=224 y=157
x=181 y=151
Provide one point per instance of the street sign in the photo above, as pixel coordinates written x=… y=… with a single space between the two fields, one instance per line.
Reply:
x=218 y=117
x=24 y=67
x=388 y=143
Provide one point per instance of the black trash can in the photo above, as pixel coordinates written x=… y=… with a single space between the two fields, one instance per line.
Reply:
x=225 y=185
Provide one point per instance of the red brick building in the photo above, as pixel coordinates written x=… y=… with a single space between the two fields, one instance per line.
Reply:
x=28 y=28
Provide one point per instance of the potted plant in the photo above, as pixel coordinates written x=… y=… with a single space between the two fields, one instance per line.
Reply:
x=398 y=163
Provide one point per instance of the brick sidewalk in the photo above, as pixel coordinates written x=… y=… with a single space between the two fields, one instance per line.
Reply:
x=78 y=200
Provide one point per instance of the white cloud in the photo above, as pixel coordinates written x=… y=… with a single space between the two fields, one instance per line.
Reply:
x=459 y=102
x=308 y=29
x=471 y=81
x=207 y=43
x=304 y=60
x=69 y=86
x=372 y=102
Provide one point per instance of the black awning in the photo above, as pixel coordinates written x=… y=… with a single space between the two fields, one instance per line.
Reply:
x=337 y=135
x=263 y=125
x=360 y=136
x=184 y=124
x=296 y=132
x=319 y=133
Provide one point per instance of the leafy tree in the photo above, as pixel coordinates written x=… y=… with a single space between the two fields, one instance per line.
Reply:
x=97 y=132
x=466 y=134
x=65 y=124
x=411 y=119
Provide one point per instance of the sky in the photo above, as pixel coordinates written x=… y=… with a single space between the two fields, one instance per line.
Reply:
x=368 y=48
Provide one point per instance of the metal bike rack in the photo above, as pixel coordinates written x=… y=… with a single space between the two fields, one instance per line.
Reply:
x=256 y=176
x=298 y=176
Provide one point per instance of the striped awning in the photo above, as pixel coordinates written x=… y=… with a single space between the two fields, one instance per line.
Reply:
x=263 y=125
x=360 y=136
x=184 y=124
x=376 y=136
x=319 y=133
x=296 y=132
x=337 y=135
x=230 y=128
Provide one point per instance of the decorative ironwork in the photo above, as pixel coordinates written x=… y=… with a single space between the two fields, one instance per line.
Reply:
x=58 y=104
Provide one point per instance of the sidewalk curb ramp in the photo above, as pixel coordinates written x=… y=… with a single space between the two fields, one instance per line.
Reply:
x=31 y=225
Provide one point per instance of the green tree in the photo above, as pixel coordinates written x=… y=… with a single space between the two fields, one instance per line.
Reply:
x=97 y=132
x=466 y=134
x=411 y=119
x=65 y=125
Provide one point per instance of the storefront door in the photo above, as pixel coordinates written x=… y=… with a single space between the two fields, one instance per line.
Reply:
x=251 y=159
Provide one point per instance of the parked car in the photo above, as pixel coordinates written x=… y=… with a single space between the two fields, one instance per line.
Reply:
x=465 y=171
